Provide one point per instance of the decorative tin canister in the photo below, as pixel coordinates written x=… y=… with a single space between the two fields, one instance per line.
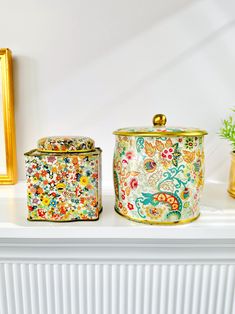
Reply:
x=158 y=172
x=64 y=179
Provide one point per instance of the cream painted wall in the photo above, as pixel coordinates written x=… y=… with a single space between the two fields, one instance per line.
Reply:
x=89 y=67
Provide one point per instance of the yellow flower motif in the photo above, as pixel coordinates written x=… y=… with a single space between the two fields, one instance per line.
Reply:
x=154 y=212
x=200 y=180
x=200 y=155
x=67 y=216
x=124 y=210
x=46 y=201
x=54 y=169
x=60 y=186
x=35 y=179
x=84 y=180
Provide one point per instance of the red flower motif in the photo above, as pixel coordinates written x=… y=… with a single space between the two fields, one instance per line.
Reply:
x=37 y=175
x=56 y=216
x=30 y=208
x=43 y=173
x=130 y=206
x=78 y=191
x=168 y=153
x=41 y=213
x=129 y=155
x=134 y=183
x=63 y=210
x=120 y=205
x=82 y=200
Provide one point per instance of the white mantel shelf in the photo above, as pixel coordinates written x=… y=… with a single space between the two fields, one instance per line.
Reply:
x=217 y=220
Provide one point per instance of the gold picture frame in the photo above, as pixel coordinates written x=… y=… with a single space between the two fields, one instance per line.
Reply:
x=8 y=173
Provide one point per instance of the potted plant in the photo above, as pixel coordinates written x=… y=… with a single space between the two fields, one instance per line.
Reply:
x=227 y=132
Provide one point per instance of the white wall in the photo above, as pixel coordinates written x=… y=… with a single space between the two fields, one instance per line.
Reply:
x=89 y=67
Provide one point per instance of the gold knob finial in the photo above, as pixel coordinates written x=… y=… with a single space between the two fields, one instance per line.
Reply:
x=159 y=119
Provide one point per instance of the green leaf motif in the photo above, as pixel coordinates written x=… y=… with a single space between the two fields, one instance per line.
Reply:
x=139 y=144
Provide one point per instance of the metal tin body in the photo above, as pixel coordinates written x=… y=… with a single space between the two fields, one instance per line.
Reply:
x=63 y=186
x=231 y=185
x=158 y=179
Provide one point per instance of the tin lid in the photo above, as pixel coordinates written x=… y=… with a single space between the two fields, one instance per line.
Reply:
x=66 y=144
x=159 y=128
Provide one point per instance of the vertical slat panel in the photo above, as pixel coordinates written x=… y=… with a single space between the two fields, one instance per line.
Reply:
x=3 y=297
x=106 y=290
x=26 y=288
x=197 y=289
x=42 y=288
x=221 y=289
x=233 y=301
x=164 y=289
x=230 y=290
x=58 y=289
x=50 y=288
x=33 y=291
x=82 y=288
x=139 y=290
x=66 y=289
x=180 y=289
x=90 y=289
x=213 y=289
x=123 y=289
x=156 y=289
x=16 y=272
x=98 y=289
x=172 y=289
x=131 y=288
x=189 y=280
x=117 y=289
x=147 y=289
x=205 y=289
x=73 y=289
x=9 y=289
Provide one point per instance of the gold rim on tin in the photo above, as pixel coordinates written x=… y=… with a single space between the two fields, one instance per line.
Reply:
x=162 y=134
x=59 y=221
x=167 y=223
x=232 y=194
x=65 y=151
x=97 y=151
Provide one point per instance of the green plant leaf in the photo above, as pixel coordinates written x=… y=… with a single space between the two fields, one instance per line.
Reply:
x=227 y=130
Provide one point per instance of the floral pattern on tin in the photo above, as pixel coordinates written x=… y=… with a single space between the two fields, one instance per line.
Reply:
x=63 y=187
x=168 y=173
x=66 y=144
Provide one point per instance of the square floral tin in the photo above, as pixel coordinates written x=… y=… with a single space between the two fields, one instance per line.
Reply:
x=64 y=179
x=159 y=172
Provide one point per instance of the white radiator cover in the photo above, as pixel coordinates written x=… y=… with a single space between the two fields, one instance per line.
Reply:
x=62 y=288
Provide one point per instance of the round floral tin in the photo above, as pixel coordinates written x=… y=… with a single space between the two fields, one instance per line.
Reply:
x=158 y=172
x=64 y=179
